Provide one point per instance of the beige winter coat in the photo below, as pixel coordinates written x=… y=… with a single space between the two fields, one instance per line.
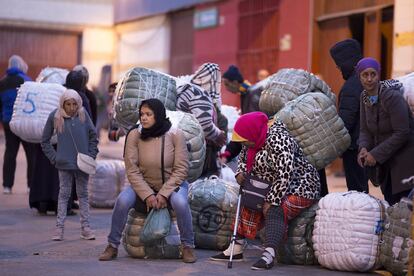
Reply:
x=143 y=163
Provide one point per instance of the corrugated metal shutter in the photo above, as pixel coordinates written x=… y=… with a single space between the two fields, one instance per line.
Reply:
x=182 y=33
x=258 y=36
x=39 y=48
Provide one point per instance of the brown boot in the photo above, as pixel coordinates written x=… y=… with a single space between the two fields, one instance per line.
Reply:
x=109 y=254
x=189 y=255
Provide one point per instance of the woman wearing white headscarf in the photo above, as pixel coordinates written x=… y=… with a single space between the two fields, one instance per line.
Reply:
x=72 y=125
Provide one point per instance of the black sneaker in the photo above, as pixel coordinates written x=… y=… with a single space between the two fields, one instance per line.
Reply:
x=262 y=265
x=222 y=257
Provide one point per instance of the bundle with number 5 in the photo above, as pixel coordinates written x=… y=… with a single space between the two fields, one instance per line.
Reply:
x=32 y=107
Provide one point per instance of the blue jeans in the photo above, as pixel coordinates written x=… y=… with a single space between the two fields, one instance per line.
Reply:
x=179 y=202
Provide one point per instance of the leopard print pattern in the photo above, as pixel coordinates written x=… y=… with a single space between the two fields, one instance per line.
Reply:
x=281 y=161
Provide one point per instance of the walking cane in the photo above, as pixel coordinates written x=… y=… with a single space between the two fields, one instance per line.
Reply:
x=236 y=225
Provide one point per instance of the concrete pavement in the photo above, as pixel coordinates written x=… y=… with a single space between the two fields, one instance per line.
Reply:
x=26 y=246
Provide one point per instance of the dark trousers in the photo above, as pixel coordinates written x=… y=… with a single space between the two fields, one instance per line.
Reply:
x=10 y=154
x=355 y=176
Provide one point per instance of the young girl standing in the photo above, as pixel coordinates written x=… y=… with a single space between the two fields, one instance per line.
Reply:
x=72 y=125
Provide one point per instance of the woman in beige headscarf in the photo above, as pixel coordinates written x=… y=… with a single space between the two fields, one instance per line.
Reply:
x=75 y=133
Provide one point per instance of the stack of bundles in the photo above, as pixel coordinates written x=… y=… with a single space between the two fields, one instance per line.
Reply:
x=298 y=248
x=408 y=85
x=105 y=185
x=166 y=248
x=32 y=107
x=139 y=84
x=313 y=121
x=287 y=85
x=397 y=243
x=213 y=204
x=194 y=138
x=52 y=75
x=347 y=231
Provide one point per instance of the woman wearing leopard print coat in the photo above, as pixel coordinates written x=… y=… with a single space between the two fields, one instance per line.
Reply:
x=273 y=155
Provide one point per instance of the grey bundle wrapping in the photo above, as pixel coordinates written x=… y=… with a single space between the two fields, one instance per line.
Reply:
x=139 y=84
x=288 y=84
x=298 y=248
x=194 y=138
x=105 y=185
x=213 y=204
x=313 y=121
x=166 y=248
x=397 y=243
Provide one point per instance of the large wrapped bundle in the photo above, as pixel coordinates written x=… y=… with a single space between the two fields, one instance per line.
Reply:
x=298 y=248
x=139 y=84
x=52 y=75
x=213 y=204
x=232 y=114
x=166 y=248
x=347 y=231
x=408 y=85
x=34 y=102
x=313 y=121
x=194 y=138
x=193 y=99
x=397 y=243
x=288 y=84
x=105 y=185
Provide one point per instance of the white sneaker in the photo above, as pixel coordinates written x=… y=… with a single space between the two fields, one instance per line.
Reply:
x=87 y=233
x=7 y=191
x=58 y=236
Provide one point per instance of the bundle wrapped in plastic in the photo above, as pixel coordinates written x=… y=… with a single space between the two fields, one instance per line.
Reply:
x=194 y=138
x=313 y=121
x=34 y=102
x=213 y=204
x=52 y=75
x=298 y=248
x=408 y=86
x=232 y=114
x=347 y=231
x=288 y=84
x=108 y=181
x=397 y=243
x=166 y=248
x=139 y=84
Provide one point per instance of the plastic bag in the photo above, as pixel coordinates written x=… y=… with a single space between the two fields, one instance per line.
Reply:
x=157 y=226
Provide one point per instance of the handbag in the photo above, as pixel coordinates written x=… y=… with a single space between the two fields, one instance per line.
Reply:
x=254 y=191
x=376 y=174
x=85 y=163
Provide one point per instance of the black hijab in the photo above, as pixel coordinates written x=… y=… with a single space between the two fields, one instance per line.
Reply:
x=162 y=123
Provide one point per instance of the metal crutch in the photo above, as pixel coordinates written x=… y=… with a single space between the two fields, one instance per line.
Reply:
x=236 y=225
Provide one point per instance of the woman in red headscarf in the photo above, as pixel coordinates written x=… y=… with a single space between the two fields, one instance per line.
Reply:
x=273 y=155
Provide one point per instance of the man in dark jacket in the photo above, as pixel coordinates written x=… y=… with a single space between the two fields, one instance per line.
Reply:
x=346 y=55
x=15 y=76
x=76 y=80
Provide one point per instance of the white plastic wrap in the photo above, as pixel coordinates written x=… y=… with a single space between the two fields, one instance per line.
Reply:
x=52 y=75
x=347 y=231
x=34 y=102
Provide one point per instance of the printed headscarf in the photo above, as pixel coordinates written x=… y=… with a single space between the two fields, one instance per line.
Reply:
x=366 y=63
x=162 y=123
x=60 y=114
x=251 y=127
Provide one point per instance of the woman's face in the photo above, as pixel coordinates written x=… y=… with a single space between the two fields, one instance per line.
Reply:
x=147 y=117
x=71 y=107
x=369 y=79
